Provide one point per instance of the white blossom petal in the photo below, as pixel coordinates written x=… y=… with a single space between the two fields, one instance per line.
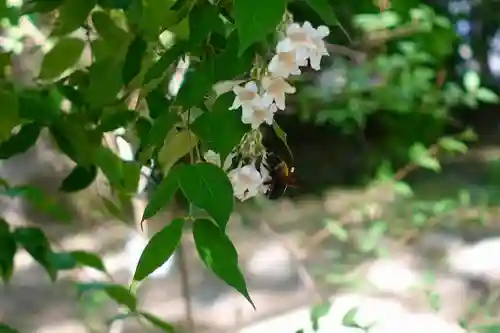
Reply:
x=245 y=95
x=212 y=157
x=246 y=181
x=276 y=88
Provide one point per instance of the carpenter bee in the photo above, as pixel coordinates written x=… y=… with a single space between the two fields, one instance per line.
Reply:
x=281 y=176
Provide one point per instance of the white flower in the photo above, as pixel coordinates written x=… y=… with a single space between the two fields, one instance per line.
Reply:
x=246 y=181
x=286 y=61
x=261 y=111
x=245 y=95
x=212 y=157
x=319 y=50
x=307 y=42
x=276 y=88
x=300 y=37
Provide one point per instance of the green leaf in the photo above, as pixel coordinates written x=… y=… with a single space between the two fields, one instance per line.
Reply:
x=159 y=249
x=114 y=118
x=8 y=249
x=122 y=175
x=453 y=145
x=10 y=115
x=163 y=194
x=40 y=200
x=198 y=81
x=105 y=82
x=207 y=186
x=34 y=241
x=133 y=60
x=256 y=19
x=281 y=134
x=157 y=322
x=486 y=95
x=203 y=20
x=72 y=15
x=109 y=30
x=21 y=141
x=318 y=312
x=175 y=148
x=218 y=253
x=158 y=104
x=80 y=178
x=88 y=259
x=419 y=155
x=221 y=130
x=230 y=63
x=161 y=127
x=349 y=318
x=116 y=292
x=159 y=68
x=324 y=10
x=7 y=329
x=64 y=54
x=38 y=105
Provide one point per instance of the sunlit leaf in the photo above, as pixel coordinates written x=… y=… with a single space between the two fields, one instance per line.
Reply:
x=254 y=23
x=159 y=249
x=218 y=253
x=64 y=54
x=207 y=186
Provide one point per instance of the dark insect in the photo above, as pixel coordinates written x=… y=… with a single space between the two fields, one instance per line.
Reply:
x=281 y=176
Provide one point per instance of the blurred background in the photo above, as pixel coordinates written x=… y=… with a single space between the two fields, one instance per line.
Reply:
x=396 y=149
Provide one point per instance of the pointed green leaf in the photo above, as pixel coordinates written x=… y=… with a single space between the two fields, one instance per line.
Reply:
x=221 y=130
x=159 y=249
x=105 y=82
x=88 y=259
x=203 y=20
x=10 y=115
x=34 y=241
x=133 y=60
x=80 y=178
x=8 y=249
x=177 y=146
x=114 y=118
x=21 y=141
x=163 y=194
x=72 y=15
x=324 y=10
x=64 y=54
x=116 y=292
x=159 y=68
x=157 y=322
x=109 y=30
x=218 y=253
x=207 y=186
x=256 y=19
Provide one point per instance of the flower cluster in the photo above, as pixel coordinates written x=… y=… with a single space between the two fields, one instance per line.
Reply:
x=261 y=98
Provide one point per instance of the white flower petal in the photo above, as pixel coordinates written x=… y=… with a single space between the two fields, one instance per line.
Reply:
x=212 y=157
